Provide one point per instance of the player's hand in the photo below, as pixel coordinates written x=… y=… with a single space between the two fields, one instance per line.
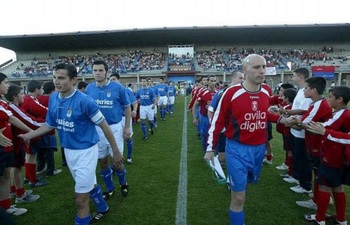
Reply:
x=209 y=156
x=133 y=114
x=153 y=106
x=316 y=128
x=127 y=133
x=195 y=121
x=117 y=159
x=25 y=137
x=4 y=141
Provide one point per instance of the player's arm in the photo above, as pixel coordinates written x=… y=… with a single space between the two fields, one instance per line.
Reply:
x=17 y=123
x=134 y=109
x=117 y=157
x=4 y=141
x=127 y=131
x=36 y=133
x=194 y=108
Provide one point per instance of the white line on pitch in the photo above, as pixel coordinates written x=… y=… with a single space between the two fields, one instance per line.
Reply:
x=181 y=205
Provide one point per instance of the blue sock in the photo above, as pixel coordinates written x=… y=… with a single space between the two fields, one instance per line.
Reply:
x=98 y=200
x=163 y=112
x=107 y=177
x=144 y=129
x=236 y=218
x=121 y=176
x=155 y=120
x=151 y=125
x=82 y=221
x=171 y=108
x=129 y=145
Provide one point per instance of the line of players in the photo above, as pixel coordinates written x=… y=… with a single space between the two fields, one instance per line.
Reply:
x=305 y=152
x=117 y=105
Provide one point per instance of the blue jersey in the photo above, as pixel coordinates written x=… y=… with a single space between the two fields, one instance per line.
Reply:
x=111 y=98
x=162 y=89
x=155 y=90
x=131 y=96
x=75 y=118
x=215 y=101
x=171 y=90
x=146 y=96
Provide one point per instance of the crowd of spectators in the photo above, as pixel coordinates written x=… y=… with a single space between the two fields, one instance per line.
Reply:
x=180 y=62
x=231 y=59
x=228 y=59
x=129 y=62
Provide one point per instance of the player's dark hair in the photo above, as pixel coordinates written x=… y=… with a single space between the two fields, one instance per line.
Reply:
x=2 y=77
x=33 y=85
x=82 y=84
x=287 y=86
x=290 y=94
x=13 y=91
x=341 y=91
x=116 y=75
x=71 y=69
x=319 y=83
x=101 y=62
x=302 y=71
x=48 y=87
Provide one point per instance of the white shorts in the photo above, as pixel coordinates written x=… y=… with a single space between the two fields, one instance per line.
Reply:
x=163 y=100
x=155 y=110
x=171 y=100
x=104 y=148
x=123 y=124
x=82 y=164
x=146 y=112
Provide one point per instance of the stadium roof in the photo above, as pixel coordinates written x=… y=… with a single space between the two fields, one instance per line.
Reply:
x=277 y=34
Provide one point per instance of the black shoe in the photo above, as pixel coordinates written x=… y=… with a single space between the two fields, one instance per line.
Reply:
x=124 y=190
x=98 y=216
x=108 y=194
x=145 y=138
x=152 y=131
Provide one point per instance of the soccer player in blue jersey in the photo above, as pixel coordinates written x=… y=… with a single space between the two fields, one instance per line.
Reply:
x=171 y=97
x=129 y=141
x=156 y=93
x=163 y=97
x=114 y=104
x=75 y=116
x=148 y=101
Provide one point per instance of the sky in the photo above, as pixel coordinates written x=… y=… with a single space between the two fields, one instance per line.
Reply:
x=20 y=17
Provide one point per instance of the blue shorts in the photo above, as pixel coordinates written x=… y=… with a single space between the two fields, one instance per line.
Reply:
x=6 y=160
x=48 y=141
x=329 y=176
x=243 y=163
x=34 y=147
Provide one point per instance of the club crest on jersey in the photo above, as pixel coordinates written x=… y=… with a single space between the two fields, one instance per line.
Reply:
x=109 y=94
x=254 y=105
x=69 y=113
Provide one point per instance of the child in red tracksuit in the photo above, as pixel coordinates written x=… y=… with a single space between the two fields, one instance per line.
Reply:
x=332 y=155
